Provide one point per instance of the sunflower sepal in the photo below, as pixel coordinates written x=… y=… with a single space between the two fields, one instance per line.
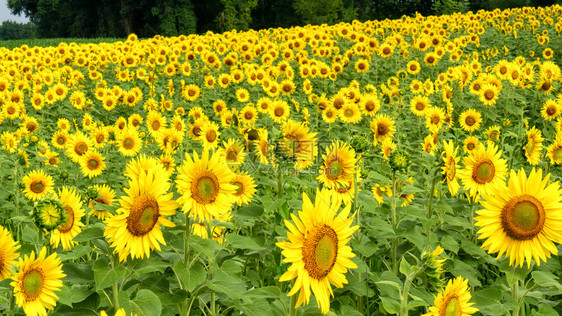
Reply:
x=48 y=213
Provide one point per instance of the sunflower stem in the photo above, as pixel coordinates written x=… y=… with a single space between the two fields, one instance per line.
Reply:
x=431 y=194
x=409 y=279
x=394 y=223
x=186 y=235
x=293 y=311
x=114 y=262
x=514 y=294
x=213 y=307
x=472 y=218
x=279 y=182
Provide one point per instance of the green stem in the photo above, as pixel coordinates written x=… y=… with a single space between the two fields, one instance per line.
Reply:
x=404 y=304
x=472 y=219
x=114 y=262
x=186 y=235
x=213 y=307
x=431 y=191
x=279 y=182
x=293 y=311
x=514 y=294
x=394 y=223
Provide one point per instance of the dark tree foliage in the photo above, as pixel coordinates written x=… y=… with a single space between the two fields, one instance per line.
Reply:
x=10 y=30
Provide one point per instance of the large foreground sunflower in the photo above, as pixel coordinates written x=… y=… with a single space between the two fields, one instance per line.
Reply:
x=483 y=168
x=317 y=249
x=522 y=219
x=453 y=300
x=8 y=253
x=35 y=282
x=205 y=186
x=135 y=230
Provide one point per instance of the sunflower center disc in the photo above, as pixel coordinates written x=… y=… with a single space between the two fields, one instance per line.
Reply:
x=369 y=106
x=470 y=121
x=37 y=186
x=523 y=217
x=231 y=155
x=348 y=113
x=382 y=129
x=420 y=106
x=489 y=95
x=211 y=136
x=206 y=189
x=93 y=164
x=558 y=154
x=143 y=216
x=239 y=188
x=80 y=149
x=320 y=251
x=279 y=112
x=334 y=169
x=68 y=220
x=32 y=284
x=128 y=143
x=551 y=110
x=484 y=172
x=155 y=125
x=452 y=307
x=60 y=141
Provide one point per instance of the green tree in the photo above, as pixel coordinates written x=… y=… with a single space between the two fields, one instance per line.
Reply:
x=10 y=30
x=237 y=14
x=324 y=11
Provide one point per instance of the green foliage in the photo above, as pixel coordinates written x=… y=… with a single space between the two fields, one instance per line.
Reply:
x=441 y=7
x=237 y=14
x=176 y=17
x=324 y=12
x=10 y=30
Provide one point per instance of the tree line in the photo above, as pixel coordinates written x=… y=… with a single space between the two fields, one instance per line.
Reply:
x=146 y=18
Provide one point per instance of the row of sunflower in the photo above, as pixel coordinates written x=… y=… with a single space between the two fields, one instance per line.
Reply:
x=176 y=175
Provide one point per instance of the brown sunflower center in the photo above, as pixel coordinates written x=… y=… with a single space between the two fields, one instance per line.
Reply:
x=483 y=172
x=382 y=129
x=470 y=121
x=435 y=119
x=143 y=215
x=211 y=136
x=551 y=110
x=470 y=146
x=155 y=125
x=370 y=106
x=239 y=188
x=523 y=217
x=231 y=155
x=128 y=143
x=61 y=140
x=32 y=284
x=333 y=169
x=489 y=94
x=451 y=307
x=80 y=148
x=37 y=186
x=205 y=189
x=348 y=112
x=279 y=112
x=420 y=106
x=93 y=164
x=320 y=251
x=68 y=220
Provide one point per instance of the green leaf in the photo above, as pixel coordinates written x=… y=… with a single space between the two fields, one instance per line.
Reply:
x=192 y=277
x=146 y=303
x=349 y=311
x=390 y=305
x=208 y=247
x=249 y=212
x=264 y=292
x=405 y=267
x=89 y=234
x=222 y=282
x=514 y=274
x=466 y=271
x=242 y=242
x=546 y=279
x=78 y=273
x=105 y=276
x=450 y=244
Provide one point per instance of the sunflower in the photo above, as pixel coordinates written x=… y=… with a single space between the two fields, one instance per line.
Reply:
x=550 y=110
x=489 y=94
x=233 y=153
x=71 y=224
x=340 y=164
x=204 y=185
x=299 y=143
x=350 y=113
x=370 y=104
x=242 y=95
x=554 y=151
x=36 y=281
x=522 y=218
x=92 y=164
x=534 y=146
x=317 y=249
x=434 y=118
x=135 y=229
x=450 y=168
x=419 y=105
x=383 y=127
x=483 y=169
x=362 y=65
x=154 y=121
x=169 y=164
x=209 y=136
x=493 y=133
x=248 y=115
x=106 y=196
x=8 y=254
x=330 y=114
x=470 y=143
x=263 y=148
x=279 y=111
x=453 y=300
x=130 y=142
x=200 y=229
x=38 y=184
x=413 y=67
x=379 y=191
x=245 y=188
x=78 y=145
x=470 y=120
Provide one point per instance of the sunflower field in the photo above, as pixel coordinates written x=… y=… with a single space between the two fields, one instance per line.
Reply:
x=404 y=167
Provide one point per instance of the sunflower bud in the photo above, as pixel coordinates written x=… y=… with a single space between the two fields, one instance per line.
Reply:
x=433 y=267
x=399 y=160
x=63 y=175
x=91 y=194
x=48 y=214
x=359 y=143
